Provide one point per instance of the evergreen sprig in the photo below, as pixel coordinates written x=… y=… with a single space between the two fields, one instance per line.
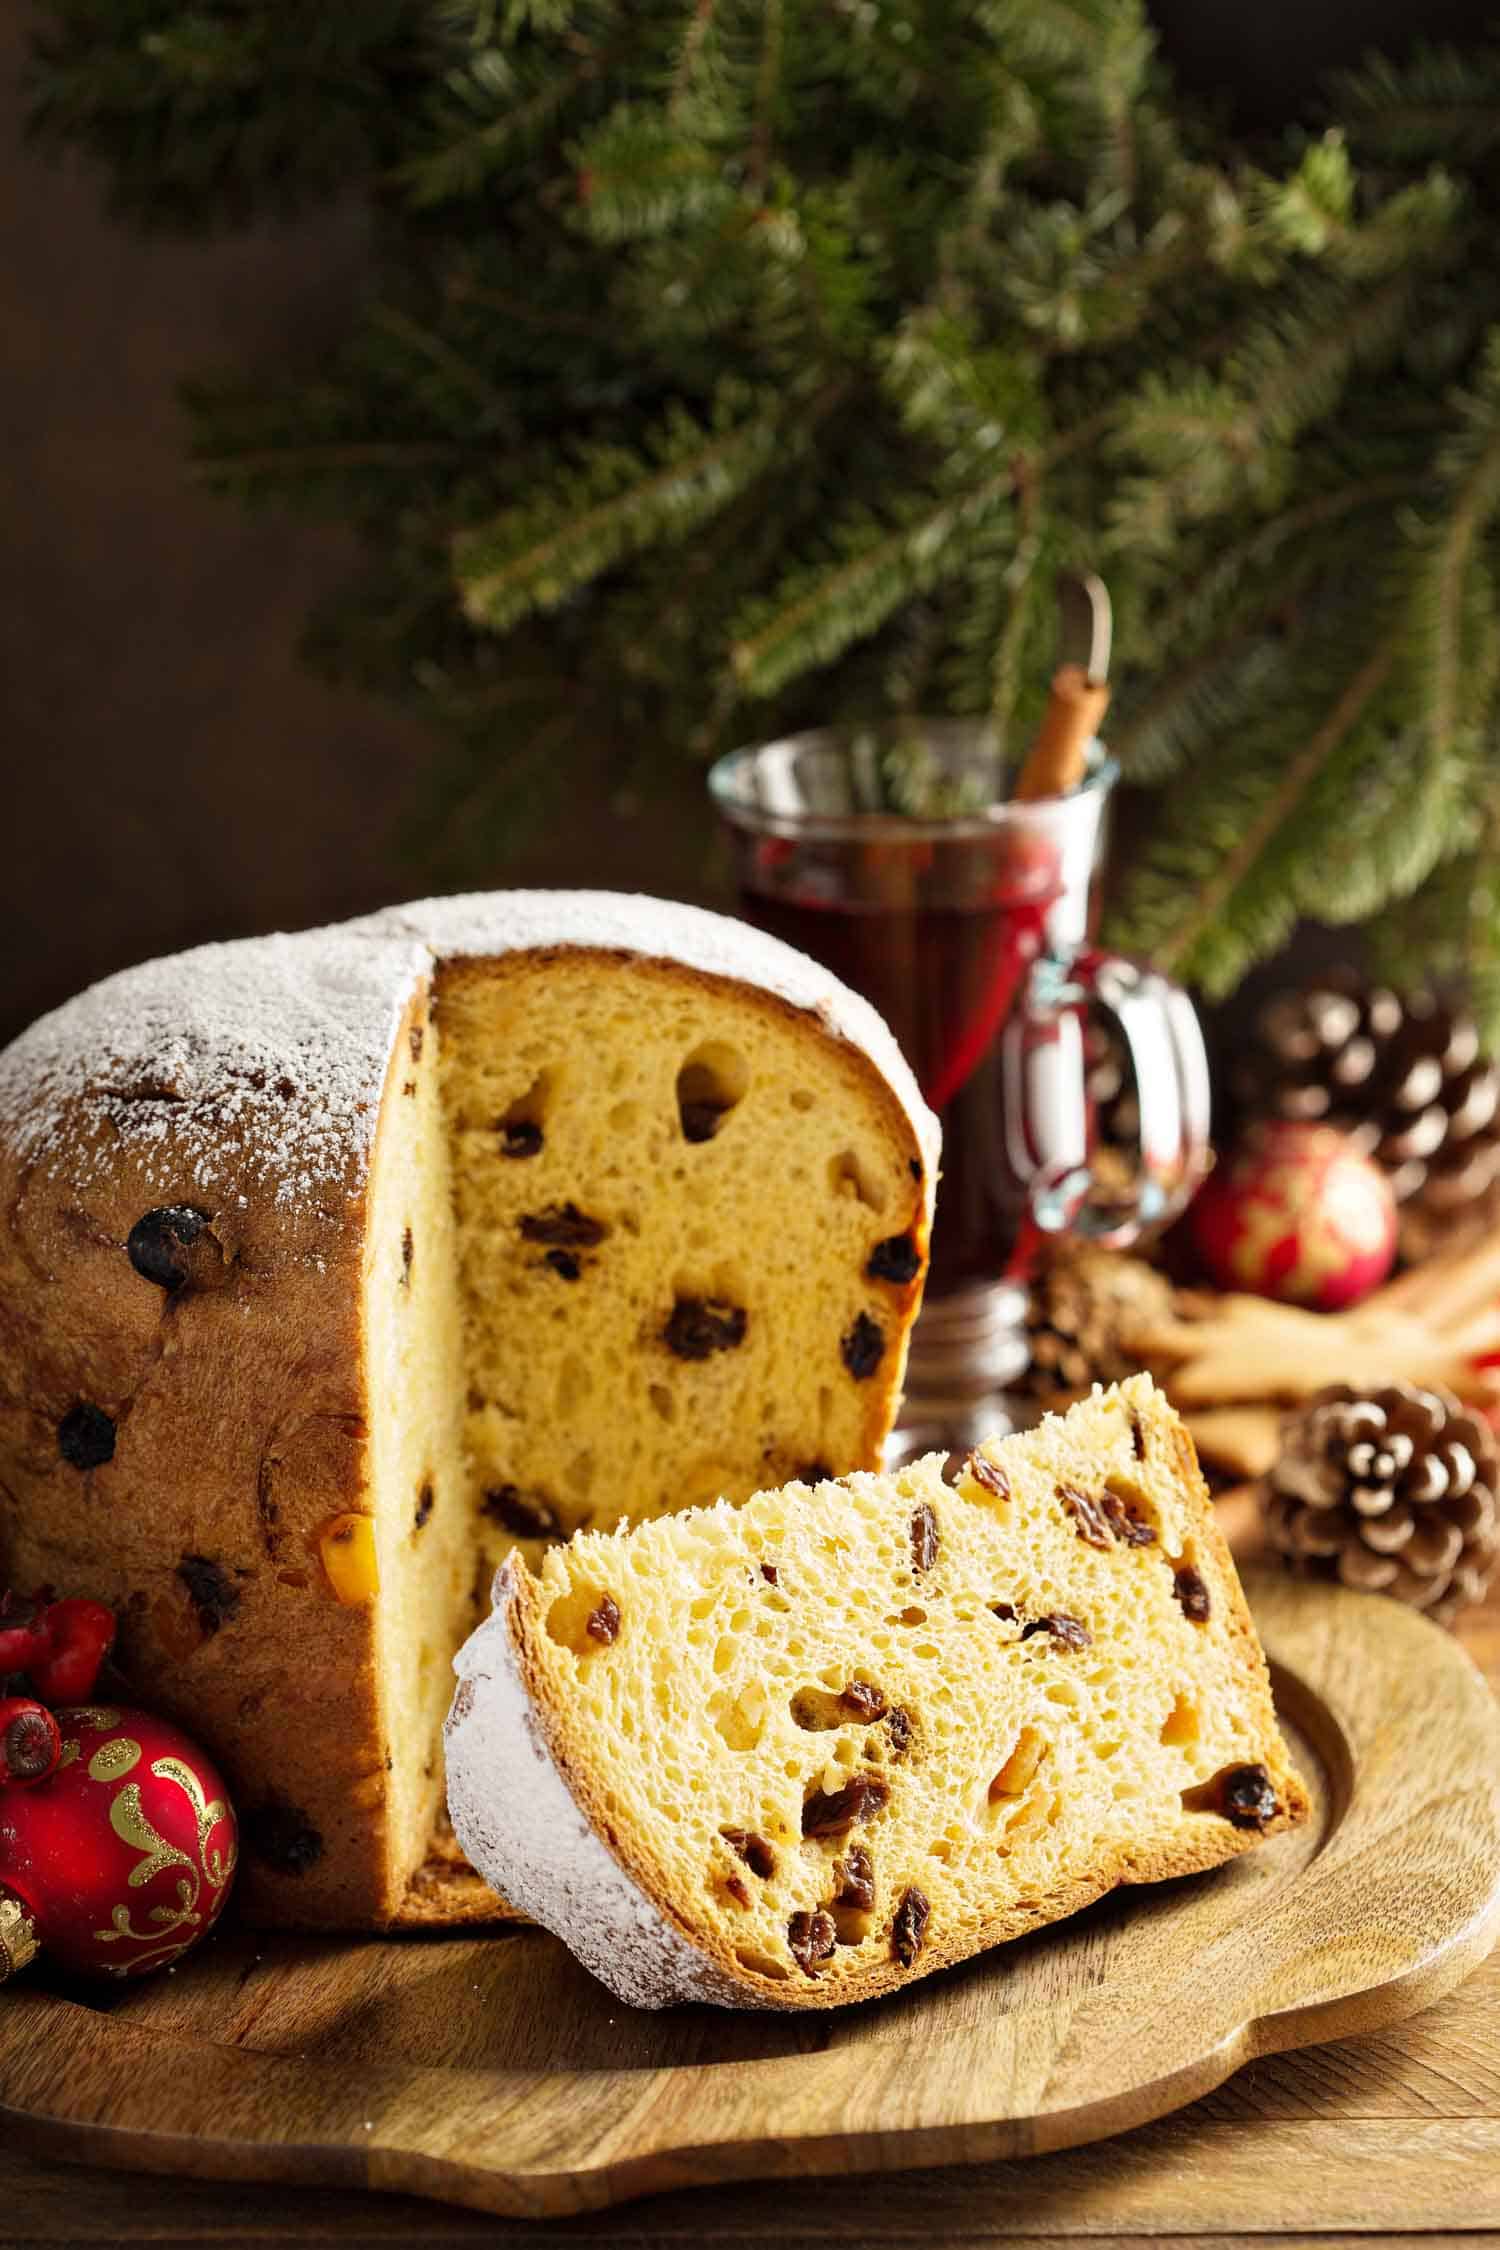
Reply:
x=734 y=364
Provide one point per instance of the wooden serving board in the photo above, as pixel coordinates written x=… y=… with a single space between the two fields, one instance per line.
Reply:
x=492 y=2071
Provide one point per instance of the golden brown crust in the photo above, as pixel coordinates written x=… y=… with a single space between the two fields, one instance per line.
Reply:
x=240 y=1428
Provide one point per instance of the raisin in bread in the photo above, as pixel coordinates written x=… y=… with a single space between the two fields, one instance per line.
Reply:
x=805 y=1751
x=336 y=1264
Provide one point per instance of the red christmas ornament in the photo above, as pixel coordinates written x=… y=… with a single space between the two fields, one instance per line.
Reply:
x=1298 y=1213
x=122 y=1858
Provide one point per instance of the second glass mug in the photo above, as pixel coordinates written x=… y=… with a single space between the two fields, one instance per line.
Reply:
x=972 y=933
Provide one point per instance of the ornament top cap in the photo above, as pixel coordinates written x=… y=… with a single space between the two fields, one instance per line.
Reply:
x=19 y=1943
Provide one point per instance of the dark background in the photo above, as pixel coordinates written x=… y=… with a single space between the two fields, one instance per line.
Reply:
x=171 y=772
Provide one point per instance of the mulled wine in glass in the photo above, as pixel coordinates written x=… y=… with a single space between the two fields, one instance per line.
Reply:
x=969 y=921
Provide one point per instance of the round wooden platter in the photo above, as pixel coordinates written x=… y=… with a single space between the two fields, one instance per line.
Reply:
x=490 y=2070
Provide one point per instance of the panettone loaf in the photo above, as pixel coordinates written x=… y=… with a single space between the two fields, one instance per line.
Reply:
x=801 y=1752
x=333 y=1265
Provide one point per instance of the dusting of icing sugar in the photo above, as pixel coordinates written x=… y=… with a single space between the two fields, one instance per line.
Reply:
x=521 y=1827
x=267 y=1056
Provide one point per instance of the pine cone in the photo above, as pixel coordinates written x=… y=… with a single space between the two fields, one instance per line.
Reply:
x=1085 y=1307
x=1405 y=1075
x=1391 y=1490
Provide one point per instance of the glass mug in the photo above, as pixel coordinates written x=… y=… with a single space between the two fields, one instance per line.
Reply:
x=972 y=933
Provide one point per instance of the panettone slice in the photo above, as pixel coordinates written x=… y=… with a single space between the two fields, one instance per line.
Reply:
x=802 y=1752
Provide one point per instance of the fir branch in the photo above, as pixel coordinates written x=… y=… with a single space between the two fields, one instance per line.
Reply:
x=689 y=54
x=1290 y=369
x=1314 y=207
x=612 y=503
x=492 y=111
x=767 y=80
x=1179 y=947
x=550 y=320
x=638 y=176
x=1020 y=583
x=1225 y=628
x=470 y=381
x=1471 y=473
x=820 y=609
x=996 y=304
x=1441 y=105
x=1204 y=698
x=1449 y=931
x=1209 y=594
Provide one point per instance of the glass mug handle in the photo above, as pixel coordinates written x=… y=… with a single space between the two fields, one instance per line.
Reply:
x=1044 y=1075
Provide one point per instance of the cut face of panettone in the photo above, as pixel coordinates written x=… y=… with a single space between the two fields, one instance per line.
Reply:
x=342 y=1265
x=801 y=1752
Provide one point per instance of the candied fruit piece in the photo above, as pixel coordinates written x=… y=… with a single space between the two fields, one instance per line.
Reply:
x=347 y=1546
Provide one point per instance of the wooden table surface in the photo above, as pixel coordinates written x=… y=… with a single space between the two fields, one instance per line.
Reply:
x=1396 y=2135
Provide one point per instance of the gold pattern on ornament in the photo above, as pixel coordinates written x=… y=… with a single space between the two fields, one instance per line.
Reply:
x=127 y=1817
x=99 y=1716
x=207 y=1812
x=1291 y=1206
x=113 y=1760
x=175 y=1918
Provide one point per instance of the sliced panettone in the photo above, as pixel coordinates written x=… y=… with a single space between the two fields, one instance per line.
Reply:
x=801 y=1752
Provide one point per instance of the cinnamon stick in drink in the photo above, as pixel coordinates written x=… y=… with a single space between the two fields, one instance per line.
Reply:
x=1056 y=760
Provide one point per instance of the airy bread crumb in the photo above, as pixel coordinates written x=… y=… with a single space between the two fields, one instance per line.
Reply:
x=800 y=1752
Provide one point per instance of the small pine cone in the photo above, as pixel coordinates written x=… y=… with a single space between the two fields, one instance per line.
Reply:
x=1392 y=1491
x=1405 y=1075
x=1314 y=1052
x=1086 y=1307
x=1438 y=1111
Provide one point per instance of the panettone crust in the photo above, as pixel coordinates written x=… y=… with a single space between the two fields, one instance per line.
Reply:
x=240 y=1433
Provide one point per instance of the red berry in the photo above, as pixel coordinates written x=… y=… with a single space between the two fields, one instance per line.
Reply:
x=24 y=1639
x=80 y=1635
x=30 y=1744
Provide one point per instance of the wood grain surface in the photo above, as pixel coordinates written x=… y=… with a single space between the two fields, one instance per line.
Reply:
x=496 y=2072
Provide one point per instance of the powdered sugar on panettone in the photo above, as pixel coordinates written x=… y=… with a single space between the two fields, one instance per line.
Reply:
x=264 y=1057
x=520 y=1826
x=268 y=1056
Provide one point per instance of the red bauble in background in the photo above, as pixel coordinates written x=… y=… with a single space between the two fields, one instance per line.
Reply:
x=123 y=1857
x=1298 y=1213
